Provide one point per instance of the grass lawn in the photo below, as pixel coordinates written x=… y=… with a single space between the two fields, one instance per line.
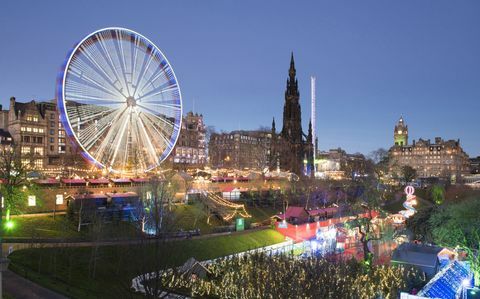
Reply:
x=193 y=216
x=260 y=214
x=107 y=272
x=61 y=228
x=42 y=227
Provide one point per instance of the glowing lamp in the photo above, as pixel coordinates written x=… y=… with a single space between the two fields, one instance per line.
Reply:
x=9 y=224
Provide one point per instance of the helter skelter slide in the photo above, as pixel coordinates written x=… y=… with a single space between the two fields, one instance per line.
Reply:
x=410 y=202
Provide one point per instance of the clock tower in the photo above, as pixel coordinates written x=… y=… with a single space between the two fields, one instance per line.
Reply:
x=400 y=134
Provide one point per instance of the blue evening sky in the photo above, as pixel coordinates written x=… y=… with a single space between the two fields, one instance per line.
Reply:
x=374 y=60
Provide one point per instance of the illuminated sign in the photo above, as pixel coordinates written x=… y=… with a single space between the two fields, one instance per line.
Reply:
x=409 y=190
x=32 y=201
x=59 y=199
x=239 y=224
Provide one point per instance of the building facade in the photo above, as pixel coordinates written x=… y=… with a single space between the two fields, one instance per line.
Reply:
x=37 y=132
x=441 y=158
x=190 y=150
x=475 y=165
x=291 y=149
x=240 y=149
x=337 y=164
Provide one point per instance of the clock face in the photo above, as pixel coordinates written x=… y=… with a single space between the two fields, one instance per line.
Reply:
x=400 y=132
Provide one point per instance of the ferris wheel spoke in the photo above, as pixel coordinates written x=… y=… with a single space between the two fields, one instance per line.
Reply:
x=159 y=92
x=149 y=112
x=107 y=141
x=121 y=56
x=167 y=142
x=161 y=130
x=106 y=50
x=93 y=51
x=118 y=141
x=144 y=68
x=97 y=84
x=148 y=142
x=92 y=62
x=149 y=83
x=93 y=132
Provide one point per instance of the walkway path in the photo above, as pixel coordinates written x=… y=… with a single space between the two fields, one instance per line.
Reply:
x=21 y=288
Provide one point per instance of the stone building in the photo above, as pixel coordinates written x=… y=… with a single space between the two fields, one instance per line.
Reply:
x=240 y=149
x=441 y=158
x=291 y=149
x=190 y=150
x=338 y=164
x=37 y=132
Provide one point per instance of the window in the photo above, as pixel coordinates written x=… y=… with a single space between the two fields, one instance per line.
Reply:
x=35 y=130
x=52 y=124
x=39 y=140
x=51 y=148
x=29 y=129
x=61 y=140
x=23 y=129
x=52 y=115
x=38 y=163
x=61 y=149
x=38 y=151
x=25 y=162
x=29 y=118
x=61 y=133
x=25 y=150
x=35 y=118
x=26 y=138
x=41 y=130
x=52 y=131
x=52 y=140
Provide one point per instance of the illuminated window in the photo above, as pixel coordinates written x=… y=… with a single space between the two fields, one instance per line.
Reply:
x=29 y=129
x=29 y=118
x=35 y=118
x=41 y=130
x=23 y=129
x=35 y=130
x=25 y=150
x=25 y=162
x=38 y=163
x=39 y=151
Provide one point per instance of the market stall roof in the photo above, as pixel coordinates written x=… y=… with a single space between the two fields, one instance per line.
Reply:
x=90 y=196
x=74 y=181
x=121 y=180
x=47 y=182
x=140 y=180
x=230 y=189
x=122 y=195
x=99 y=181
x=316 y=212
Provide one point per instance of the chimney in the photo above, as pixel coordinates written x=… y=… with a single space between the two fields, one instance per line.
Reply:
x=12 y=102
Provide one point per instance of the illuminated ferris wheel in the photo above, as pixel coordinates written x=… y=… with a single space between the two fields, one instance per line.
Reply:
x=120 y=101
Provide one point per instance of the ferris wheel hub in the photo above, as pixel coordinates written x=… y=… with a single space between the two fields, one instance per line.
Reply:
x=131 y=102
